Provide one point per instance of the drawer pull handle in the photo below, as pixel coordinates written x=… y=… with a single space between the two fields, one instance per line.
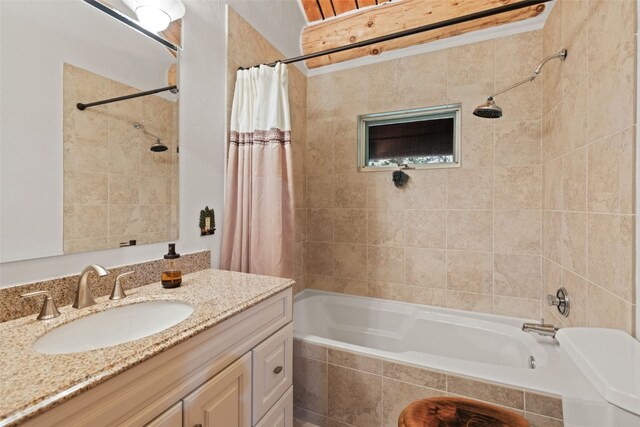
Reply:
x=277 y=370
x=197 y=425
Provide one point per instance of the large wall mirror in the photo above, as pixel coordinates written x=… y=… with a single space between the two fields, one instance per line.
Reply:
x=76 y=180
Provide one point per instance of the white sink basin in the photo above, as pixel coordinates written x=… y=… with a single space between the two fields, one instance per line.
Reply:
x=113 y=326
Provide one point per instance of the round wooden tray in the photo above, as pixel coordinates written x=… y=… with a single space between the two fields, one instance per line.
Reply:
x=457 y=412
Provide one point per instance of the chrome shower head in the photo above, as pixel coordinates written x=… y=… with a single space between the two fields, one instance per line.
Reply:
x=158 y=146
x=488 y=110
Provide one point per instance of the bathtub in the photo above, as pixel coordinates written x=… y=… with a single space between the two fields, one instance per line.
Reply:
x=483 y=346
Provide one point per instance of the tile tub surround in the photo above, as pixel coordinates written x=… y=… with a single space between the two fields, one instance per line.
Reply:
x=467 y=237
x=333 y=387
x=31 y=383
x=588 y=151
x=63 y=289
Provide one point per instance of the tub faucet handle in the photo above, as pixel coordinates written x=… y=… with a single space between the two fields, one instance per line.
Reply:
x=561 y=301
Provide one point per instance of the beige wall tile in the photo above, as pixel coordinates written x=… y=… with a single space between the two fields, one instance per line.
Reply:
x=470 y=271
x=605 y=310
x=426 y=189
x=574 y=242
x=521 y=103
x=310 y=350
x=517 y=307
x=611 y=172
x=425 y=229
x=425 y=267
x=470 y=230
x=310 y=384
x=385 y=264
x=351 y=190
x=320 y=225
x=510 y=63
x=397 y=395
x=477 y=147
x=471 y=63
x=382 y=194
x=470 y=188
x=469 y=301
x=350 y=225
x=574 y=117
x=123 y=190
x=350 y=261
x=351 y=286
x=385 y=227
x=355 y=361
x=518 y=143
x=517 y=232
x=320 y=148
x=493 y=393
x=552 y=133
x=319 y=258
x=415 y=375
x=619 y=18
x=553 y=184
x=574 y=36
x=355 y=398
x=610 y=253
x=385 y=290
x=536 y=420
x=430 y=67
x=518 y=275
x=552 y=236
x=319 y=191
x=544 y=404
x=320 y=282
x=428 y=296
x=518 y=187
x=345 y=145
x=574 y=191
x=612 y=85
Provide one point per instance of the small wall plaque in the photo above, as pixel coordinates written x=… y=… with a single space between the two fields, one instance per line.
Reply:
x=207 y=221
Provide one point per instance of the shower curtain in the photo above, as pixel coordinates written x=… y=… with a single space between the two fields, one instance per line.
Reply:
x=258 y=231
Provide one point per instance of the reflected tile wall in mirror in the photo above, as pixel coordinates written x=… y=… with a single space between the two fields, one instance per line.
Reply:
x=115 y=189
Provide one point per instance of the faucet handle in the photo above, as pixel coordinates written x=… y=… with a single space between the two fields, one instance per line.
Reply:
x=117 y=293
x=49 y=309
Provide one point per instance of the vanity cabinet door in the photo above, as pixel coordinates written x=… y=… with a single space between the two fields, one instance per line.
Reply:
x=272 y=370
x=172 y=417
x=281 y=415
x=224 y=400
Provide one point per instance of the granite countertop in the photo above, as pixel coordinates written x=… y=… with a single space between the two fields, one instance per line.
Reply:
x=31 y=383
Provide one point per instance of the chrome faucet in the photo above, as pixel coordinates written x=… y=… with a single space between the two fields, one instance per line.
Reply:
x=544 y=329
x=84 y=296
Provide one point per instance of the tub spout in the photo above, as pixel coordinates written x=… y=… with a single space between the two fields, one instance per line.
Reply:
x=544 y=329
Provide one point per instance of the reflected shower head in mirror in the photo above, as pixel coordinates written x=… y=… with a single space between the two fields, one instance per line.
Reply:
x=489 y=110
x=157 y=146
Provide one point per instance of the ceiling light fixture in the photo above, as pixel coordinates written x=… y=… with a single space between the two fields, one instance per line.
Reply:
x=156 y=15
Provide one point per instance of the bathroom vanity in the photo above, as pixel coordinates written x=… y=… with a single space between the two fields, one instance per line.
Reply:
x=228 y=364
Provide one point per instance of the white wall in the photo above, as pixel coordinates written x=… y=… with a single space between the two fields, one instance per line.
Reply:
x=202 y=112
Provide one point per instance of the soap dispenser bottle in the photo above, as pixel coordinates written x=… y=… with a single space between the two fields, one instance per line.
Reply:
x=172 y=276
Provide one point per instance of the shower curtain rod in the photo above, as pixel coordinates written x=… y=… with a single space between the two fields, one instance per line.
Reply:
x=173 y=89
x=410 y=32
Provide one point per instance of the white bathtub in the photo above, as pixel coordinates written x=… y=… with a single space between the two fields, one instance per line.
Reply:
x=483 y=346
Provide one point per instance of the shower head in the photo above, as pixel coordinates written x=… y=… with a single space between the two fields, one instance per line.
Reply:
x=488 y=110
x=157 y=146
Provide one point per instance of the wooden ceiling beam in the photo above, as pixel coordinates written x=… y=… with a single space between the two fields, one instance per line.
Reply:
x=327 y=8
x=397 y=16
x=342 y=6
x=311 y=10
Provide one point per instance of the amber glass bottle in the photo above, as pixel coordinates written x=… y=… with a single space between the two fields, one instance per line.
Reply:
x=172 y=276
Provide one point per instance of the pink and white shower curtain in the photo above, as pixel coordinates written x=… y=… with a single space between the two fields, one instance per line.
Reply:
x=258 y=234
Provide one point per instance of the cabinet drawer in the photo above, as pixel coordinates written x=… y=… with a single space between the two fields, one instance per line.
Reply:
x=281 y=415
x=172 y=417
x=272 y=370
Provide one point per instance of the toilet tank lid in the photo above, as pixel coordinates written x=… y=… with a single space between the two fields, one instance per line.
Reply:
x=610 y=359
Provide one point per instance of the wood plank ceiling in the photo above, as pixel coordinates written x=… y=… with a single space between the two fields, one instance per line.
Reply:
x=319 y=10
x=390 y=17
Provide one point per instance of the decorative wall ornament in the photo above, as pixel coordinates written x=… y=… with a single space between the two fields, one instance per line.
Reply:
x=207 y=221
